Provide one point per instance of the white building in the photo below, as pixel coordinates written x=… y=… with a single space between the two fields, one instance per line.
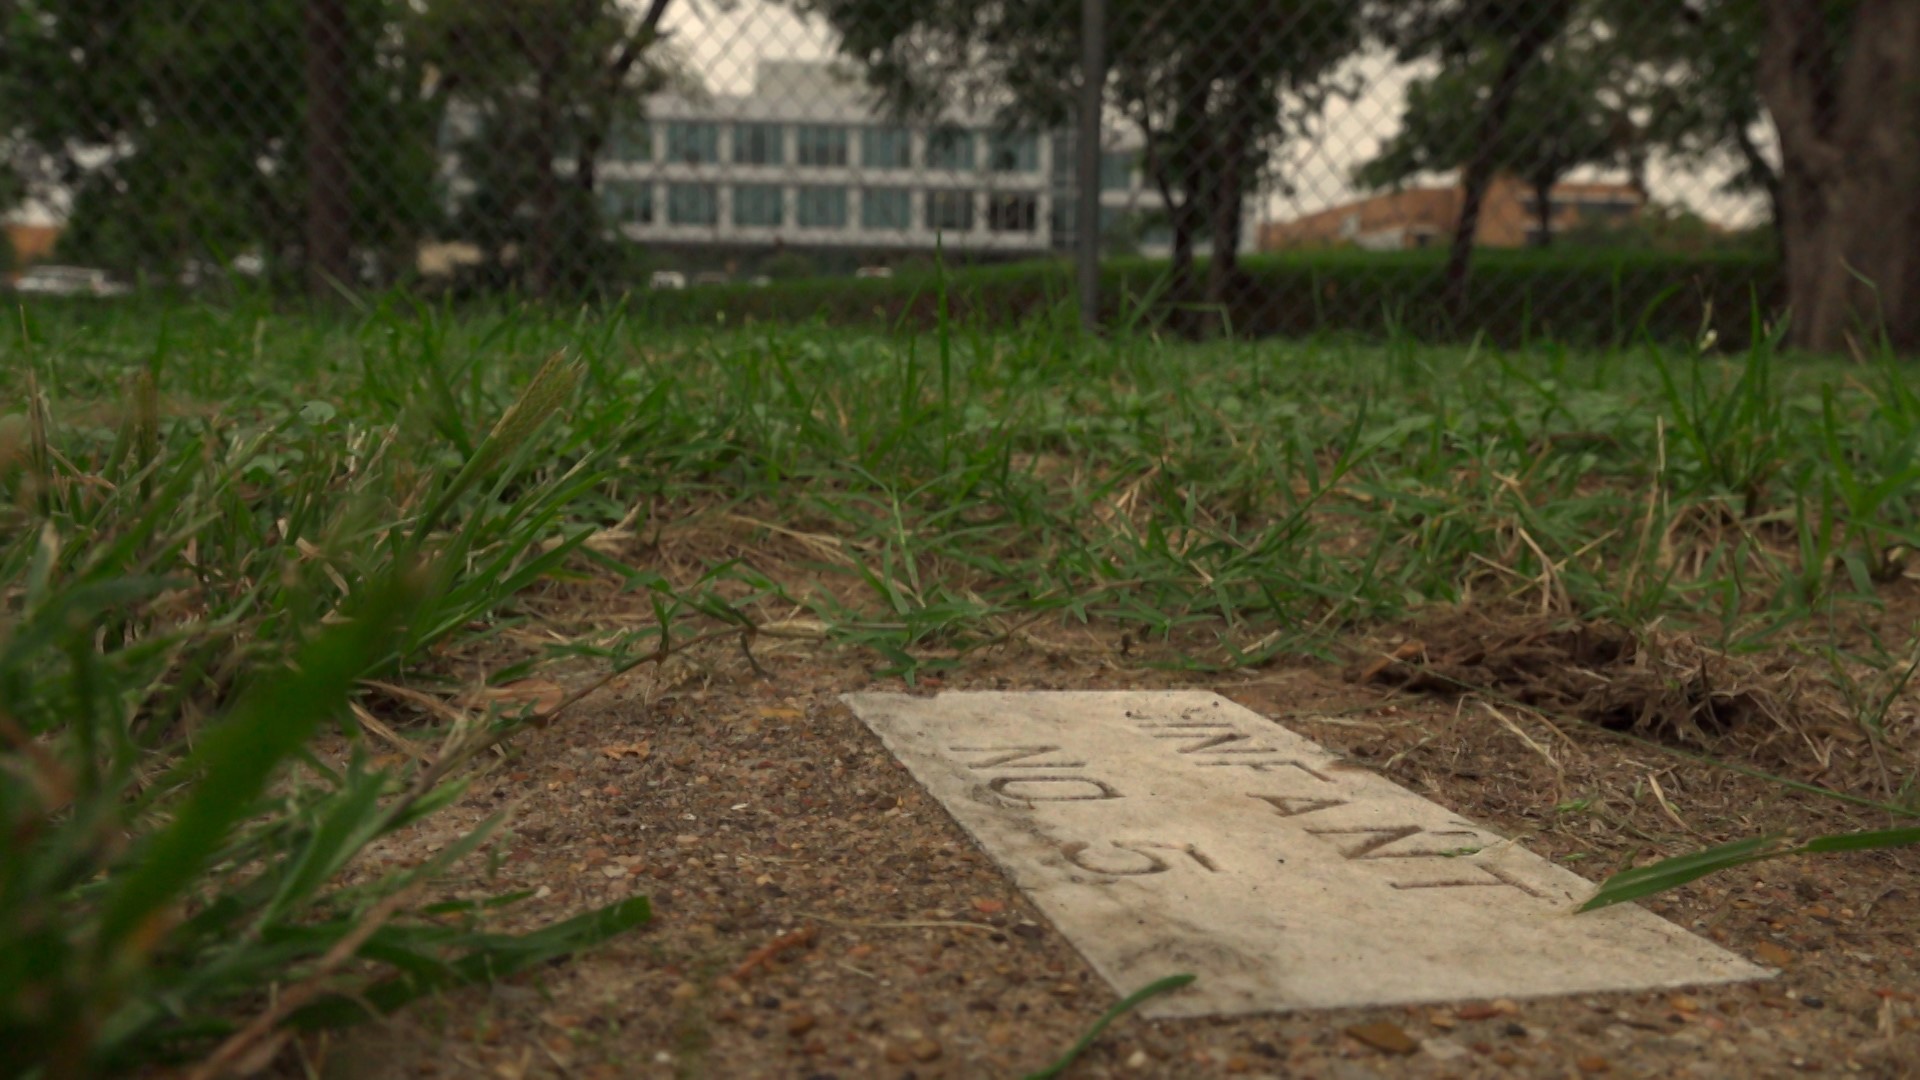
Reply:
x=807 y=161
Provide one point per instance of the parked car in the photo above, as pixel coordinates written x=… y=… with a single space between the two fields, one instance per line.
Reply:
x=49 y=280
x=874 y=272
x=667 y=279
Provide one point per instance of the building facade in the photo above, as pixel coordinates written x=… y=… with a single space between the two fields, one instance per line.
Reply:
x=1426 y=217
x=808 y=162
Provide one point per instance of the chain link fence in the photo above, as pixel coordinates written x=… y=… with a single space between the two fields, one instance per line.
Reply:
x=1569 y=169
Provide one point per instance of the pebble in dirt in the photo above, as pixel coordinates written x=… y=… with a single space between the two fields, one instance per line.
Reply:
x=1172 y=832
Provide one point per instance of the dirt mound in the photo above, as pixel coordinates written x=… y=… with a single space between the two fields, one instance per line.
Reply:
x=1663 y=685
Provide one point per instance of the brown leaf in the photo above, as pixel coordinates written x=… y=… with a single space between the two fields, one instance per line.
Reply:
x=1385 y=1037
x=640 y=750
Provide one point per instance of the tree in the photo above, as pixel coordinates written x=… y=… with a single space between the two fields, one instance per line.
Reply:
x=1561 y=118
x=1691 y=84
x=543 y=79
x=1506 y=35
x=1213 y=89
x=1841 y=80
x=171 y=129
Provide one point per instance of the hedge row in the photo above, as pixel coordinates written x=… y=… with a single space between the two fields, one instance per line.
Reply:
x=1514 y=297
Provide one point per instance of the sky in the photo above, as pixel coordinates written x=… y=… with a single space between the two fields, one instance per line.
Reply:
x=724 y=39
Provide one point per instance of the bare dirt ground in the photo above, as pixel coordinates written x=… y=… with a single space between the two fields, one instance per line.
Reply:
x=818 y=915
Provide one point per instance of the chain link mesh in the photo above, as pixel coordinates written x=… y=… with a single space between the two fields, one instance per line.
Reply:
x=1447 y=167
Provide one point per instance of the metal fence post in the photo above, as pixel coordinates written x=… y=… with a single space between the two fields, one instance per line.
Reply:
x=1093 y=81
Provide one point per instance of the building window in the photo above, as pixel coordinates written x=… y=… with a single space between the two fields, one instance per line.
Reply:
x=624 y=201
x=950 y=211
x=759 y=144
x=886 y=148
x=1013 y=153
x=822 y=208
x=693 y=143
x=1116 y=170
x=886 y=208
x=950 y=148
x=823 y=145
x=1013 y=213
x=632 y=141
x=758 y=204
x=693 y=204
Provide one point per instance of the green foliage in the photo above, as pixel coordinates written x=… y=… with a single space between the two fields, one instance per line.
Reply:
x=206 y=105
x=186 y=605
x=1583 y=297
x=787 y=266
x=1120 y=1008
x=1564 y=115
x=1659 y=877
x=1214 y=93
x=1671 y=230
x=528 y=85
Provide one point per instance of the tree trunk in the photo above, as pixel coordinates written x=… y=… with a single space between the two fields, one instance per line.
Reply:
x=1543 y=210
x=1847 y=112
x=1237 y=163
x=632 y=51
x=542 y=242
x=1478 y=175
x=329 y=199
x=1761 y=169
x=1182 y=175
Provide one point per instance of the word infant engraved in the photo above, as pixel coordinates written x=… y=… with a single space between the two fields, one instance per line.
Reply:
x=1380 y=844
x=1211 y=738
x=1294 y=806
x=1294 y=882
x=1384 y=842
x=1378 y=839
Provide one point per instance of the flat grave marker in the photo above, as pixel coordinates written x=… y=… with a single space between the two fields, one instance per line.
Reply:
x=1174 y=831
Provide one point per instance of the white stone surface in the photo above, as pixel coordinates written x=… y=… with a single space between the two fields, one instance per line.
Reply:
x=1169 y=832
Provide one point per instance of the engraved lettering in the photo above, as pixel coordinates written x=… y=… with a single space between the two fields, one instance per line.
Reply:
x=1188 y=850
x=1294 y=806
x=1076 y=854
x=1382 y=837
x=1266 y=766
x=1075 y=789
x=1005 y=756
x=1207 y=745
x=1499 y=876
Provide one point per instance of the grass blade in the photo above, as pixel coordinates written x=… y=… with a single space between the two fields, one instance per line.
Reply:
x=1121 y=1008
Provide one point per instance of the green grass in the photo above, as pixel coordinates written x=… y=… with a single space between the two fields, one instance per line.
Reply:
x=216 y=524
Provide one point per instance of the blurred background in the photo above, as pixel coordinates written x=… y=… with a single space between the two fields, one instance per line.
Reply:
x=1508 y=170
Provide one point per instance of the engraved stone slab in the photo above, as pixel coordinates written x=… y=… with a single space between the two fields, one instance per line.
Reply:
x=1168 y=832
